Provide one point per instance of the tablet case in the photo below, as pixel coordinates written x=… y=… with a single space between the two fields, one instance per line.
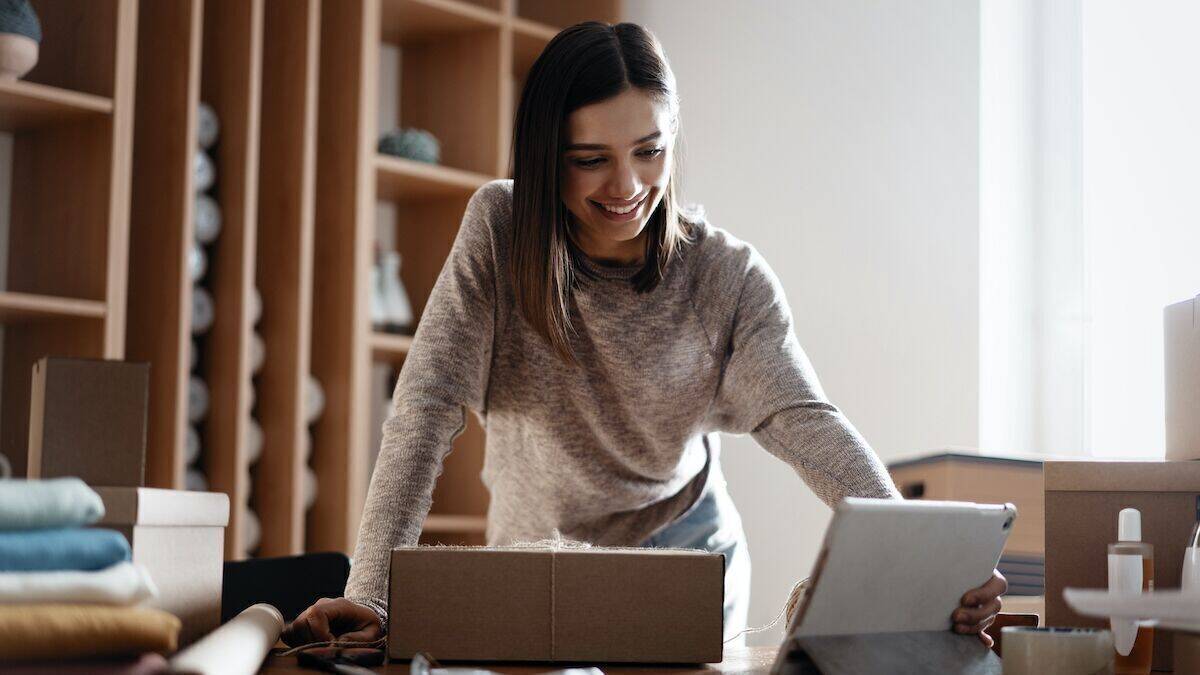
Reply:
x=889 y=576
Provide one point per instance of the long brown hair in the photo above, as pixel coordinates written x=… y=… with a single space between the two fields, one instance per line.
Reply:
x=584 y=64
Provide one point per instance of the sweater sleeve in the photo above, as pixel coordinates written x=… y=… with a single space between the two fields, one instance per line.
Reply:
x=770 y=390
x=445 y=372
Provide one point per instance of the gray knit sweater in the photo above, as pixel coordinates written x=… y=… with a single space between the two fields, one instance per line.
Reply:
x=614 y=448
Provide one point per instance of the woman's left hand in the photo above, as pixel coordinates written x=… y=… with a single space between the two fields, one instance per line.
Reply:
x=980 y=607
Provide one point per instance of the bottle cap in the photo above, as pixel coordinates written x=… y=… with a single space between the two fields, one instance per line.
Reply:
x=1129 y=525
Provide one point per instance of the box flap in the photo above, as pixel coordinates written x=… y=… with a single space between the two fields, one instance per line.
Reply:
x=470 y=603
x=155 y=506
x=1181 y=476
x=660 y=605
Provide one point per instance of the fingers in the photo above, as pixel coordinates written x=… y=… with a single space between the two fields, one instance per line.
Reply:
x=311 y=626
x=986 y=640
x=996 y=586
x=975 y=619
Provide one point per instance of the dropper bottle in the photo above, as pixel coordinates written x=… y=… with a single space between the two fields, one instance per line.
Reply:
x=1131 y=571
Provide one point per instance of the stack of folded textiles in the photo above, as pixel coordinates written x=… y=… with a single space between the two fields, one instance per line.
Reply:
x=68 y=591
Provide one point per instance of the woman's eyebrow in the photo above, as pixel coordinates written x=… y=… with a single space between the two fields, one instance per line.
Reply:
x=598 y=146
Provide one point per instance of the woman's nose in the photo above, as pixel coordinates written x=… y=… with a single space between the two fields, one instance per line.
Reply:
x=624 y=184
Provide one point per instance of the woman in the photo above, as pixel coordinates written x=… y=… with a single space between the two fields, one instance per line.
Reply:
x=606 y=335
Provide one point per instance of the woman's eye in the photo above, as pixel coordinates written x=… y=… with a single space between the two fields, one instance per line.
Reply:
x=588 y=163
x=653 y=152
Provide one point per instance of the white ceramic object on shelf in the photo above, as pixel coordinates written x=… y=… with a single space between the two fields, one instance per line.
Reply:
x=395 y=298
x=191 y=446
x=254 y=441
x=203 y=311
x=314 y=400
x=255 y=306
x=258 y=353
x=197 y=262
x=204 y=172
x=379 y=313
x=251 y=531
x=206 y=219
x=208 y=126
x=193 y=479
x=197 y=399
x=310 y=487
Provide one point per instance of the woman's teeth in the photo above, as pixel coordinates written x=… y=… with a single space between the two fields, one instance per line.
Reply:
x=620 y=210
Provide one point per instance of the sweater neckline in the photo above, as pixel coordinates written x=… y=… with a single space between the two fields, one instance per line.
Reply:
x=624 y=271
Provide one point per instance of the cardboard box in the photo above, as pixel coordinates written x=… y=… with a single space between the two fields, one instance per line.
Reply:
x=1181 y=351
x=180 y=537
x=552 y=604
x=967 y=476
x=87 y=418
x=1082 y=503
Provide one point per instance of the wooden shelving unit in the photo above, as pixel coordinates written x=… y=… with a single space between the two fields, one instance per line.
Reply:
x=71 y=119
x=462 y=64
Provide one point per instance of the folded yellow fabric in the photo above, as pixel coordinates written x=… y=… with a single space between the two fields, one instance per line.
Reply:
x=29 y=632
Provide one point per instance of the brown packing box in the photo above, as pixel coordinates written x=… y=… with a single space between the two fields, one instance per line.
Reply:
x=87 y=418
x=1181 y=351
x=1082 y=503
x=179 y=537
x=552 y=604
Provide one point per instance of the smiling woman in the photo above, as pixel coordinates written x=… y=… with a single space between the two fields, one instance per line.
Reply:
x=606 y=336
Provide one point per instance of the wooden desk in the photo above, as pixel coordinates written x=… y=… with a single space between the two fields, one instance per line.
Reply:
x=737 y=660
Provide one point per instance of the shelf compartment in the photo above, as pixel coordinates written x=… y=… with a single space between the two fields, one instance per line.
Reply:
x=400 y=179
x=409 y=20
x=82 y=42
x=559 y=14
x=285 y=269
x=27 y=307
x=29 y=105
x=389 y=347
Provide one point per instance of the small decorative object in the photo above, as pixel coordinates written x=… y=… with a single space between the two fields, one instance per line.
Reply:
x=258 y=353
x=395 y=298
x=197 y=399
x=202 y=310
x=204 y=172
x=255 y=306
x=251 y=531
x=20 y=35
x=207 y=126
x=191 y=449
x=416 y=144
x=310 y=487
x=197 y=262
x=314 y=400
x=254 y=441
x=379 y=315
x=207 y=219
x=194 y=480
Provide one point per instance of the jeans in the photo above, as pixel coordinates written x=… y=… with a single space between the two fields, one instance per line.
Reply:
x=713 y=524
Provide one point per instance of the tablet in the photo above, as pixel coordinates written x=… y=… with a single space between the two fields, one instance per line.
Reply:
x=889 y=565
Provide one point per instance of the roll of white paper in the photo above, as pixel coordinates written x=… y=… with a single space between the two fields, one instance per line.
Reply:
x=236 y=648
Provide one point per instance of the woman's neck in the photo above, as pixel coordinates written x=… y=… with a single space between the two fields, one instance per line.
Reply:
x=614 y=253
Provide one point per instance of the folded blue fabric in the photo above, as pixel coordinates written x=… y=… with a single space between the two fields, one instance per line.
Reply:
x=51 y=503
x=63 y=549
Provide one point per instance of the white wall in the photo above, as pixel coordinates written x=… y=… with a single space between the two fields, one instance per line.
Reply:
x=840 y=138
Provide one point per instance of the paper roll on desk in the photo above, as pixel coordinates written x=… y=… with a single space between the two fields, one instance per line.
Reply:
x=237 y=647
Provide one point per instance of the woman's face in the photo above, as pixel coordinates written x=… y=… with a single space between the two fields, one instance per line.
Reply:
x=618 y=155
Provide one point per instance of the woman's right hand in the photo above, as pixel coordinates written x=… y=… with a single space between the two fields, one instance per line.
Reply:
x=334 y=618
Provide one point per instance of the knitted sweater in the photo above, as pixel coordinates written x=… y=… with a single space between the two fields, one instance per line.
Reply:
x=617 y=446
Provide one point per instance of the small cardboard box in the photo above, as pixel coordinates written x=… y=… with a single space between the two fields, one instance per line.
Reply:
x=179 y=537
x=1082 y=503
x=1181 y=352
x=553 y=604
x=87 y=418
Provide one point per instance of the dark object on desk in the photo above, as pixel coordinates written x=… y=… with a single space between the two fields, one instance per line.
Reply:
x=336 y=659
x=894 y=653
x=87 y=418
x=290 y=583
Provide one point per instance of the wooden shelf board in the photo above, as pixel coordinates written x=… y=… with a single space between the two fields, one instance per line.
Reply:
x=400 y=179
x=25 y=307
x=28 y=105
x=389 y=346
x=529 y=39
x=406 y=20
x=441 y=523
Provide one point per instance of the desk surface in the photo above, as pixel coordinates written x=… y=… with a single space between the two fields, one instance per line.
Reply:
x=737 y=660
